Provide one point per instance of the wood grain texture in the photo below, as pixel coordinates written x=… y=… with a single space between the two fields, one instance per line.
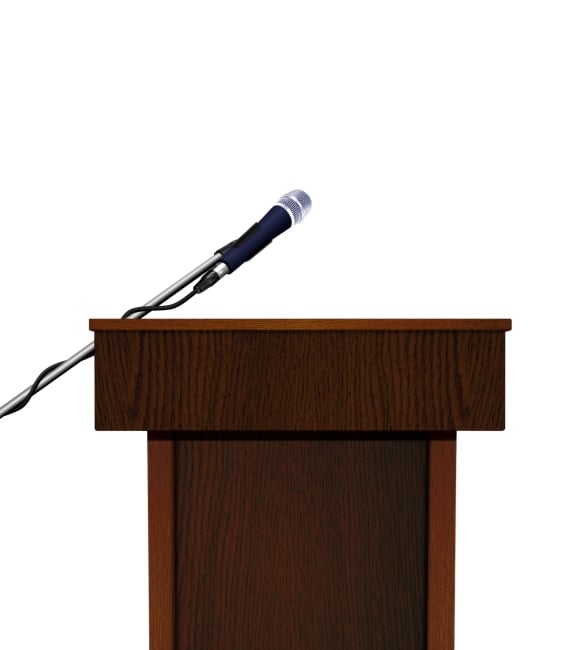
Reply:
x=294 y=498
x=420 y=324
x=291 y=380
x=249 y=473
x=441 y=542
x=161 y=542
x=304 y=544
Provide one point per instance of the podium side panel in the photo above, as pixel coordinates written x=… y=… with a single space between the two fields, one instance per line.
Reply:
x=441 y=542
x=161 y=542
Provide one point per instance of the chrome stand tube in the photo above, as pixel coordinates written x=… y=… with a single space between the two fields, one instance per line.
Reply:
x=89 y=350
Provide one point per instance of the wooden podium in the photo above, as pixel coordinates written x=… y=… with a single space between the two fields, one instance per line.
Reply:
x=301 y=473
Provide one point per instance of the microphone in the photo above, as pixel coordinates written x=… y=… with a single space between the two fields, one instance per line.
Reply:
x=289 y=210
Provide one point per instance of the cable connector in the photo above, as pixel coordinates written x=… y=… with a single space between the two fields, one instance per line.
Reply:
x=211 y=277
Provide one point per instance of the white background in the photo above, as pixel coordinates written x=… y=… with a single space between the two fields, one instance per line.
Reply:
x=138 y=137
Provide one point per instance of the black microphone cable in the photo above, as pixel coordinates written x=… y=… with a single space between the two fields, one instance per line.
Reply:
x=33 y=389
x=134 y=310
x=146 y=309
x=207 y=281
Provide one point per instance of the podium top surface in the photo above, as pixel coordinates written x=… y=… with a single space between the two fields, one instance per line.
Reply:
x=322 y=324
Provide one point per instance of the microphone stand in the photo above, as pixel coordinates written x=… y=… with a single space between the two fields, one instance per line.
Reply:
x=89 y=350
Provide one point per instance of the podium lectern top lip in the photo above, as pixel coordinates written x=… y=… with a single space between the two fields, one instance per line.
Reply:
x=320 y=324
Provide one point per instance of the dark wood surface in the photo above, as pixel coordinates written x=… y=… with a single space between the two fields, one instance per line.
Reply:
x=296 y=380
x=441 y=542
x=161 y=543
x=286 y=515
x=295 y=499
x=424 y=324
x=301 y=544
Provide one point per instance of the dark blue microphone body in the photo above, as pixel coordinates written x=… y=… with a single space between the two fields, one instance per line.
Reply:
x=261 y=234
x=290 y=209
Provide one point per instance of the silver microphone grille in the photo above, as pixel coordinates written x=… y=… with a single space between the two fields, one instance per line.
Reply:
x=297 y=203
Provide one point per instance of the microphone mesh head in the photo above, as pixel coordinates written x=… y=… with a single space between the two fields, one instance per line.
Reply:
x=297 y=203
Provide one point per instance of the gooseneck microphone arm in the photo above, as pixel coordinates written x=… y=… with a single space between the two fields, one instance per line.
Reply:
x=89 y=350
